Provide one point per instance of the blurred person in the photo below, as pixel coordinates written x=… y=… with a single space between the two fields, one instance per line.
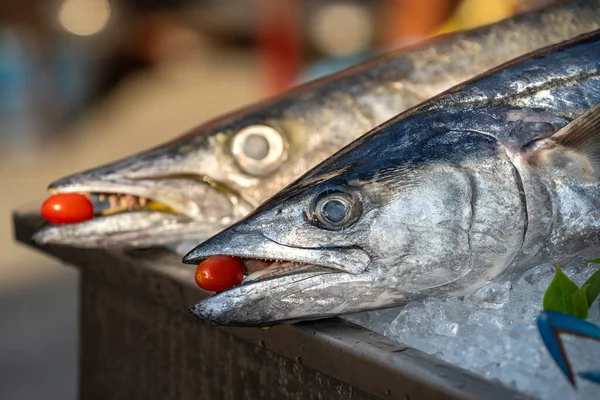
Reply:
x=43 y=75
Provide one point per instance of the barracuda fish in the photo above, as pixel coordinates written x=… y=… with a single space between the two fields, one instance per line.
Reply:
x=490 y=178
x=187 y=190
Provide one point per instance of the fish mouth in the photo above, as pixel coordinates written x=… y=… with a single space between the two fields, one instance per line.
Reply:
x=132 y=212
x=256 y=270
x=110 y=203
x=260 y=269
x=263 y=297
x=282 y=284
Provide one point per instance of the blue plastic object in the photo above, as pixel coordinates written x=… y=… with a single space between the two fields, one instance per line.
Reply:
x=551 y=324
x=593 y=376
x=572 y=325
x=555 y=347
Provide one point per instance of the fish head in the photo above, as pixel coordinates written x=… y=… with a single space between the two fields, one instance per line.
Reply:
x=300 y=252
x=189 y=188
x=358 y=232
x=198 y=184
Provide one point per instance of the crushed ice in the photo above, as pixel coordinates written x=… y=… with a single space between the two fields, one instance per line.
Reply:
x=492 y=332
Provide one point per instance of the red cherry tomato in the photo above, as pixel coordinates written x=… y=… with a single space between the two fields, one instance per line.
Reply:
x=67 y=208
x=218 y=273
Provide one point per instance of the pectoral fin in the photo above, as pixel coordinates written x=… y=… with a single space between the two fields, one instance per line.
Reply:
x=574 y=150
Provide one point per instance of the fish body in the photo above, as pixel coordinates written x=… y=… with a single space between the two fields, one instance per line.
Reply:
x=200 y=183
x=494 y=176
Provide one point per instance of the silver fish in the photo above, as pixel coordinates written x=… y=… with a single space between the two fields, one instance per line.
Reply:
x=193 y=187
x=494 y=176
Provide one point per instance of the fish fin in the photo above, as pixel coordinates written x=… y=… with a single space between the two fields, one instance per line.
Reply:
x=575 y=148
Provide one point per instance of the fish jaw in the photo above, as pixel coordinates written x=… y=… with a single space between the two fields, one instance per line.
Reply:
x=169 y=205
x=127 y=230
x=296 y=297
x=284 y=291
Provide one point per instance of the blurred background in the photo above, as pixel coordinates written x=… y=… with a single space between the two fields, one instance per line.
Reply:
x=84 y=82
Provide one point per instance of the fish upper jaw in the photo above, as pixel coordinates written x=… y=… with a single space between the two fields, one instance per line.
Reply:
x=256 y=245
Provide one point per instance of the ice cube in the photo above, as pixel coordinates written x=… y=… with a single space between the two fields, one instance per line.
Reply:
x=492 y=296
x=535 y=275
x=446 y=329
x=577 y=270
x=413 y=317
x=483 y=321
x=381 y=319
x=460 y=352
x=456 y=310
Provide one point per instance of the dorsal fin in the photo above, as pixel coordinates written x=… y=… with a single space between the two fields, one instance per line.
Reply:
x=575 y=147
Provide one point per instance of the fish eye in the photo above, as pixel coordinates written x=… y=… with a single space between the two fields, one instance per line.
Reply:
x=259 y=149
x=336 y=209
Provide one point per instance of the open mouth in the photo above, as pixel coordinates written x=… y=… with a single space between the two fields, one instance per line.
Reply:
x=264 y=258
x=271 y=292
x=128 y=213
x=256 y=270
x=183 y=201
x=120 y=220
x=260 y=270
x=114 y=203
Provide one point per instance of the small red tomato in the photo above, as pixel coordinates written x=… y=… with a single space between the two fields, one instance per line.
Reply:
x=218 y=273
x=67 y=208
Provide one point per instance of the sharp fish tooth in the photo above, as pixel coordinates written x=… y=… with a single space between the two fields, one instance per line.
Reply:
x=129 y=201
x=112 y=199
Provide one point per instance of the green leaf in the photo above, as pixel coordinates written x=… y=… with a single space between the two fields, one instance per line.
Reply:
x=593 y=288
x=594 y=261
x=559 y=295
x=580 y=303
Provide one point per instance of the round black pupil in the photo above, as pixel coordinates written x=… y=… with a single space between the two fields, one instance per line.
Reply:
x=334 y=211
